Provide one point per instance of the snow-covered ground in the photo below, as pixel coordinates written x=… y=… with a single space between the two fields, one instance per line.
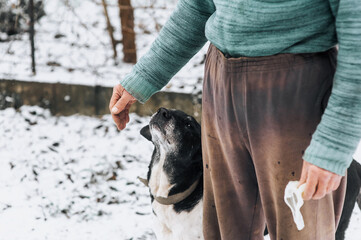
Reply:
x=76 y=178
x=73 y=45
x=72 y=177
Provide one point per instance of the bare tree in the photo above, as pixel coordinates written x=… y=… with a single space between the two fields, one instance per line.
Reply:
x=110 y=29
x=127 y=24
x=31 y=34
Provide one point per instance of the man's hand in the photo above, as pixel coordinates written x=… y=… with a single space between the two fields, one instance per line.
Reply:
x=119 y=106
x=319 y=182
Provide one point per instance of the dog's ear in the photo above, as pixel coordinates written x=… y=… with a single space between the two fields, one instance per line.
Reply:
x=145 y=132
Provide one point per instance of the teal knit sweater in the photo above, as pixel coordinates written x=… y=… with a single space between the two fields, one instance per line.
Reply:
x=267 y=27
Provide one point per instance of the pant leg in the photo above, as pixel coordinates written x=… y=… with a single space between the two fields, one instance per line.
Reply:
x=258 y=117
x=284 y=105
x=232 y=207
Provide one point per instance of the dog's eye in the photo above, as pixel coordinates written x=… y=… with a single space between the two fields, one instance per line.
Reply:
x=188 y=125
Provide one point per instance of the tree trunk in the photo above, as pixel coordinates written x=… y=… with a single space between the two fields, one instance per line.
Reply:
x=31 y=35
x=127 y=24
x=110 y=29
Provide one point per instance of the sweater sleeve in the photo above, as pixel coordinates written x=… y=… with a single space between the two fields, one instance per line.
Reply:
x=181 y=38
x=339 y=131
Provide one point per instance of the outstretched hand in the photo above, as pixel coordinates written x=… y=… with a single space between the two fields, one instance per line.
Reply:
x=319 y=182
x=119 y=105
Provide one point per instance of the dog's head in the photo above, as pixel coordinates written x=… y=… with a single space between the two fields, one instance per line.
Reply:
x=177 y=156
x=174 y=131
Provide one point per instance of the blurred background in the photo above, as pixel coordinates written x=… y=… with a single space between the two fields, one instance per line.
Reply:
x=81 y=50
x=65 y=170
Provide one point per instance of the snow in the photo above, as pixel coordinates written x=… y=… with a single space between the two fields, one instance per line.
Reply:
x=72 y=177
x=73 y=45
x=76 y=178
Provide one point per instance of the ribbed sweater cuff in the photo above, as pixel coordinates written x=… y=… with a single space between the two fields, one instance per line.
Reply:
x=138 y=86
x=328 y=158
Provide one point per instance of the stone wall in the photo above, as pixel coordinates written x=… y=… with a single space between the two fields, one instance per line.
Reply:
x=65 y=99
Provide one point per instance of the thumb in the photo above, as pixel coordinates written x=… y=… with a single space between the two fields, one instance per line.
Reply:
x=304 y=174
x=120 y=105
x=124 y=102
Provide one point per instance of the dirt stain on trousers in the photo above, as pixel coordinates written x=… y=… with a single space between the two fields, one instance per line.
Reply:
x=258 y=117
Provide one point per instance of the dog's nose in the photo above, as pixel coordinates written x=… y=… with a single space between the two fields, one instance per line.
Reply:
x=164 y=112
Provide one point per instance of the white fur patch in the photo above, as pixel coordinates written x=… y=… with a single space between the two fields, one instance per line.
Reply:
x=159 y=183
x=169 y=225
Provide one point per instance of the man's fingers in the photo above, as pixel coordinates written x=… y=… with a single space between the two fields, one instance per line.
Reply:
x=319 y=182
x=332 y=185
x=335 y=183
x=120 y=120
x=117 y=94
x=127 y=115
x=322 y=186
x=123 y=117
x=304 y=174
x=120 y=105
x=113 y=101
x=117 y=120
x=123 y=103
x=310 y=188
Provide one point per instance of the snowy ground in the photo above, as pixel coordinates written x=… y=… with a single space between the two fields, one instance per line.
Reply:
x=73 y=45
x=76 y=178
x=72 y=177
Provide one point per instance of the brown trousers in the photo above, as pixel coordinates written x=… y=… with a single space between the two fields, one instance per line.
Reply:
x=258 y=118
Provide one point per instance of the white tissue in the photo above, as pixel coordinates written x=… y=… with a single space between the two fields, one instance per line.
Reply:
x=293 y=199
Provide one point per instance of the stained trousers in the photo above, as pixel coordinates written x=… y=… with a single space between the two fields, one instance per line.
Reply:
x=258 y=116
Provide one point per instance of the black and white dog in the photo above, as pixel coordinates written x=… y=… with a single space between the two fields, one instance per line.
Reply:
x=175 y=177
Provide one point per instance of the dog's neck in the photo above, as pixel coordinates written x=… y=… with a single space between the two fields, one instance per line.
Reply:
x=176 y=198
x=159 y=184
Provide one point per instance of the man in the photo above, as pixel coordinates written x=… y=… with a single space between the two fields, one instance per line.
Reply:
x=268 y=78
